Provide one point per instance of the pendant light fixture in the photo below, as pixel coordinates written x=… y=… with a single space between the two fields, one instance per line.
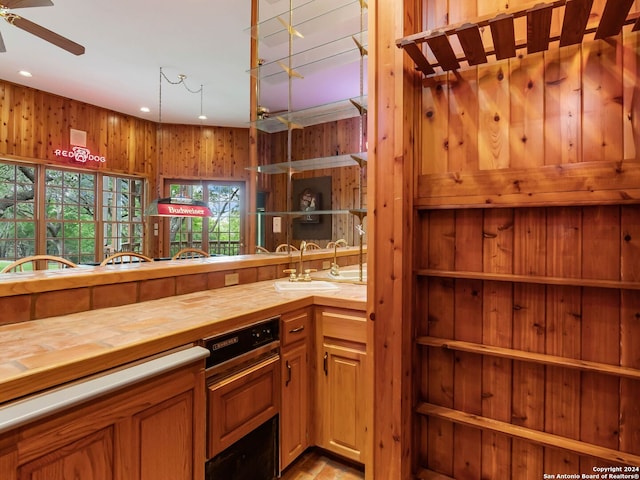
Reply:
x=177 y=206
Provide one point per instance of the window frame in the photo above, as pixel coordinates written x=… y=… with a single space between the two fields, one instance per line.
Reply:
x=41 y=218
x=168 y=247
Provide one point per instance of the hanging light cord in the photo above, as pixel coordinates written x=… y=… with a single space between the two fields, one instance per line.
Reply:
x=180 y=81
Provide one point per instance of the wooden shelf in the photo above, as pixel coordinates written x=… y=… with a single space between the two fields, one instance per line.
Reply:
x=535 y=279
x=505 y=45
x=330 y=112
x=528 y=434
x=337 y=161
x=540 y=358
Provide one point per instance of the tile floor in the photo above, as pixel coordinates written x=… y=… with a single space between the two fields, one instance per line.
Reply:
x=315 y=465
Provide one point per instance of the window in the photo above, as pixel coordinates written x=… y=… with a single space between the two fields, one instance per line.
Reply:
x=70 y=206
x=85 y=215
x=122 y=214
x=220 y=234
x=17 y=211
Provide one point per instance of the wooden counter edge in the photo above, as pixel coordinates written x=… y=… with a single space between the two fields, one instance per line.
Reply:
x=38 y=380
x=91 y=276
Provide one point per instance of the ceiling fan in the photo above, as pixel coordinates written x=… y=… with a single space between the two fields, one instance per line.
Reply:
x=34 y=28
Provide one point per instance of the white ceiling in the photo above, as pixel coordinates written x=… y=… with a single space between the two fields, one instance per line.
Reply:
x=127 y=42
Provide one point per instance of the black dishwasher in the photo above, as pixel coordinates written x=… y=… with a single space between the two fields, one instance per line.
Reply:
x=254 y=456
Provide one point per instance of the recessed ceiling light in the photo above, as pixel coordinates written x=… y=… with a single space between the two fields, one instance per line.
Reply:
x=145 y=109
x=24 y=73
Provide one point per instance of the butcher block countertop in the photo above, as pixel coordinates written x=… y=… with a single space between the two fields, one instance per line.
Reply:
x=41 y=354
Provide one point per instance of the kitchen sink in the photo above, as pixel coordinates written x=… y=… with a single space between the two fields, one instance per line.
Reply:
x=312 y=286
x=349 y=275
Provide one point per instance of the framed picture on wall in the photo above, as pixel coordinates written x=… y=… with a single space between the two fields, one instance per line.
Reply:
x=308 y=202
x=311 y=195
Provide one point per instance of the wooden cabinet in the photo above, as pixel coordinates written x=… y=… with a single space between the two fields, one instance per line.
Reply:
x=153 y=430
x=241 y=402
x=343 y=382
x=296 y=335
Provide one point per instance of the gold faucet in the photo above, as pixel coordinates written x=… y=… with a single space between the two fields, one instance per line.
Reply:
x=302 y=275
x=335 y=269
x=303 y=247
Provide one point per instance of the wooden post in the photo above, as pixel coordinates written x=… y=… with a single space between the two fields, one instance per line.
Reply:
x=392 y=85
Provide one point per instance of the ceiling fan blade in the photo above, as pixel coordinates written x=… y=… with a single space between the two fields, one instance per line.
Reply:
x=45 y=34
x=25 y=3
x=2 y=47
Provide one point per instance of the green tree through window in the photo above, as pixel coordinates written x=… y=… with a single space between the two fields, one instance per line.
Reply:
x=220 y=234
x=84 y=215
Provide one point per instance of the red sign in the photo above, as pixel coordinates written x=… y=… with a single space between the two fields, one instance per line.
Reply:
x=79 y=154
x=183 y=210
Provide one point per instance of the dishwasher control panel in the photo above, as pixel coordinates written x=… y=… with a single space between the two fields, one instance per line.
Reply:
x=239 y=342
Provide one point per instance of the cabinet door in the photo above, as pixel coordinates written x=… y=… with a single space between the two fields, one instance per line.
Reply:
x=294 y=415
x=240 y=403
x=88 y=457
x=342 y=400
x=166 y=438
x=153 y=429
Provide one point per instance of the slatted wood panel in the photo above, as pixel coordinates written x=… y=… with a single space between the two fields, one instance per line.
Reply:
x=585 y=323
x=565 y=106
x=513 y=26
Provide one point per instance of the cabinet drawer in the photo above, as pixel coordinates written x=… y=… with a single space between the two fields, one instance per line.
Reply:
x=240 y=403
x=295 y=326
x=350 y=325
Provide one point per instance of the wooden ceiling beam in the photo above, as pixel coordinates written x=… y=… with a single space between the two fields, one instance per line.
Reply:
x=415 y=52
x=503 y=33
x=574 y=23
x=471 y=42
x=613 y=18
x=441 y=48
x=539 y=16
x=539 y=28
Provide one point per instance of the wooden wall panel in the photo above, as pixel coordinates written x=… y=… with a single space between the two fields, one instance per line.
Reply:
x=441 y=324
x=494 y=118
x=602 y=101
x=526 y=132
x=463 y=123
x=497 y=330
x=435 y=123
x=600 y=399
x=553 y=140
x=563 y=104
x=467 y=462
x=563 y=310
x=528 y=335
x=34 y=123
x=584 y=323
x=631 y=91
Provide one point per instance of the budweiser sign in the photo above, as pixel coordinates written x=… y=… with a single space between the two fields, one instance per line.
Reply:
x=79 y=154
x=179 y=207
x=183 y=210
